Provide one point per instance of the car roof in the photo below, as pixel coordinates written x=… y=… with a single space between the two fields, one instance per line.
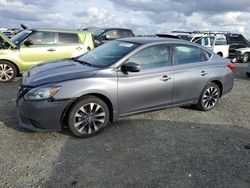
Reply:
x=60 y=30
x=146 y=40
x=109 y=28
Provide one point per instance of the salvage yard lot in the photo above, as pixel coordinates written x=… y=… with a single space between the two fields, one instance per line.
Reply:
x=179 y=147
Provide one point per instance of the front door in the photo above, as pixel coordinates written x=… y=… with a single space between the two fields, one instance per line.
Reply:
x=42 y=48
x=152 y=86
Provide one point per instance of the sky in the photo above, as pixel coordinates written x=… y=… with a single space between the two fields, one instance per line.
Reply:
x=143 y=16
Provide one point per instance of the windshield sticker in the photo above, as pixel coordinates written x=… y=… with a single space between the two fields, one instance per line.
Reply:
x=128 y=45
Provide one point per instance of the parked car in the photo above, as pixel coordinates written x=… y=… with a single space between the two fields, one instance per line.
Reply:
x=107 y=34
x=236 y=41
x=120 y=78
x=9 y=34
x=242 y=54
x=34 y=46
x=248 y=71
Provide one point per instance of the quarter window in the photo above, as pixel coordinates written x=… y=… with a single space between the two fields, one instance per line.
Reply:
x=67 y=38
x=184 y=54
x=152 y=57
x=42 y=38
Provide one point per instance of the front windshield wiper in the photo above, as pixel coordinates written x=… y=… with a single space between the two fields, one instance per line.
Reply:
x=82 y=62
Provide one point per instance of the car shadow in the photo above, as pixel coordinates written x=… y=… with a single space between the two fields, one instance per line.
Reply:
x=155 y=153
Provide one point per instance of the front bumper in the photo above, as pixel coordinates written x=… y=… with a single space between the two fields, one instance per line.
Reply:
x=41 y=115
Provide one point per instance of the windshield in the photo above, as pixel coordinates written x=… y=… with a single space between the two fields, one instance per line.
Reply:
x=98 y=32
x=108 y=54
x=18 y=39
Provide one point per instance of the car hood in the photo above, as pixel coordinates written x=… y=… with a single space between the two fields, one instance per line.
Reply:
x=57 y=71
x=6 y=39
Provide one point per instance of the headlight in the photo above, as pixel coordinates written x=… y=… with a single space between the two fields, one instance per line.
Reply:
x=41 y=93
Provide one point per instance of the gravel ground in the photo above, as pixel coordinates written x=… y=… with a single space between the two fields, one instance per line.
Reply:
x=178 y=147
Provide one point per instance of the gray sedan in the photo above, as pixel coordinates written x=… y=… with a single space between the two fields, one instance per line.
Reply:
x=120 y=78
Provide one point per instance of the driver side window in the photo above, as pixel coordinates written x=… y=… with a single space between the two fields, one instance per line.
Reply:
x=152 y=57
x=40 y=38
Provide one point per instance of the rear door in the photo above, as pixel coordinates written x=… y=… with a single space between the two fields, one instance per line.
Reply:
x=68 y=45
x=152 y=86
x=190 y=72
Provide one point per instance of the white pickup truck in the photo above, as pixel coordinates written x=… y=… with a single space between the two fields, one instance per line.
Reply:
x=211 y=42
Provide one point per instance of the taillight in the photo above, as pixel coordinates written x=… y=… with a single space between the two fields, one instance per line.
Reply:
x=231 y=67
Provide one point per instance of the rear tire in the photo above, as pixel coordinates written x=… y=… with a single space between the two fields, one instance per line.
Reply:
x=248 y=75
x=209 y=97
x=88 y=117
x=245 y=58
x=8 y=72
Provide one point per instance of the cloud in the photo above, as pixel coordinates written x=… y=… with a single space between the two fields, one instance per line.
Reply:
x=143 y=16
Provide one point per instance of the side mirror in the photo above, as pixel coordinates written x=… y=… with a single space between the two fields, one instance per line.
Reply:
x=27 y=43
x=105 y=37
x=130 y=67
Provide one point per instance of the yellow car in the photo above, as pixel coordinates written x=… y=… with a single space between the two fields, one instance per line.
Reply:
x=33 y=46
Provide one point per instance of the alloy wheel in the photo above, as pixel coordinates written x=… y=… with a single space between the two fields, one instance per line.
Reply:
x=89 y=118
x=210 y=97
x=6 y=72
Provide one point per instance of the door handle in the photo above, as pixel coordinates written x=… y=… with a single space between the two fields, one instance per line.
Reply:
x=203 y=73
x=79 y=48
x=51 y=50
x=165 y=78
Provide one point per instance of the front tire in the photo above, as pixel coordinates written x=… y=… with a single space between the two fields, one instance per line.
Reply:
x=88 y=117
x=209 y=97
x=8 y=72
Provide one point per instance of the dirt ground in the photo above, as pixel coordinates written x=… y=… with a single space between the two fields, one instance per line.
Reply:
x=178 y=147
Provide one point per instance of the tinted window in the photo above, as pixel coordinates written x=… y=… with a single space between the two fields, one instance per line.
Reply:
x=113 y=34
x=65 y=38
x=108 y=53
x=152 y=57
x=98 y=32
x=206 y=56
x=185 y=37
x=42 y=38
x=184 y=54
x=124 y=33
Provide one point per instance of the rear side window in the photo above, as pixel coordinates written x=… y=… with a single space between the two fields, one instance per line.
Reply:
x=206 y=55
x=67 y=38
x=40 y=38
x=184 y=54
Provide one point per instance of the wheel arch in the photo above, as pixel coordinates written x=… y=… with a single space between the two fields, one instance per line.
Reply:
x=98 y=95
x=219 y=84
x=220 y=54
x=17 y=68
